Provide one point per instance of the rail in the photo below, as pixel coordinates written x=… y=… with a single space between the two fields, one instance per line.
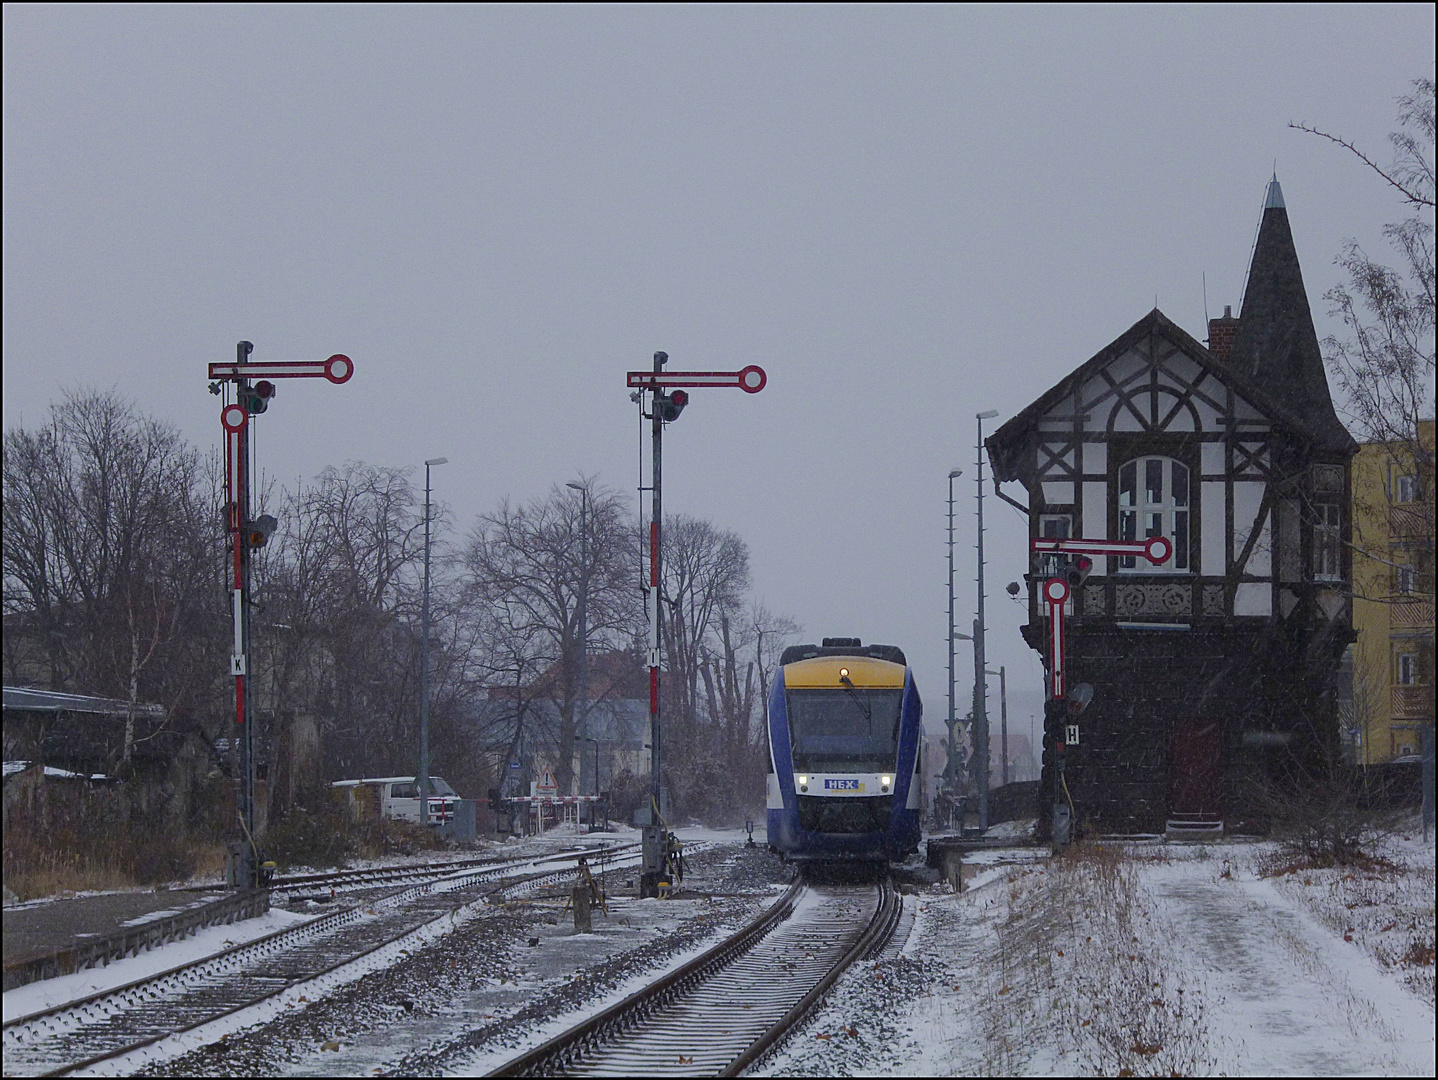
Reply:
x=637 y=1033
x=57 y=1039
x=51 y=963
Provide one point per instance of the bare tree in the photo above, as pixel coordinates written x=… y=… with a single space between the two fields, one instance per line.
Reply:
x=525 y=564
x=706 y=574
x=336 y=614
x=1385 y=363
x=111 y=558
x=737 y=667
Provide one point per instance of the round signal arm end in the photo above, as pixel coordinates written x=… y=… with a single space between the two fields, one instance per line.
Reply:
x=1158 y=550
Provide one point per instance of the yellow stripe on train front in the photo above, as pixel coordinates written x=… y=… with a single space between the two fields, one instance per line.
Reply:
x=823 y=671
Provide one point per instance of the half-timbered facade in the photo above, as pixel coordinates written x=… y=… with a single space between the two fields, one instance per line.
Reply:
x=1211 y=667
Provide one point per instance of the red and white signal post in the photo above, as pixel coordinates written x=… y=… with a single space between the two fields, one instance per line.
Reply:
x=670 y=397
x=1056 y=590
x=247 y=534
x=1064 y=704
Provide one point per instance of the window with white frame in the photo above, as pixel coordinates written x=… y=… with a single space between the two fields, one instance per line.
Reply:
x=1407 y=580
x=1327 y=533
x=1054 y=527
x=1407 y=669
x=1405 y=489
x=1153 y=500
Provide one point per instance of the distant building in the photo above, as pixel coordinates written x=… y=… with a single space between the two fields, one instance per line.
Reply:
x=1392 y=661
x=1211 y=669
x=524 y=722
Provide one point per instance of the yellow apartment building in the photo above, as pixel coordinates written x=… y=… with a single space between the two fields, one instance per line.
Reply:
x=1392 y=597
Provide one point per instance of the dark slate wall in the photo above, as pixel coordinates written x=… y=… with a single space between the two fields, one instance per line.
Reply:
x=1148 y=684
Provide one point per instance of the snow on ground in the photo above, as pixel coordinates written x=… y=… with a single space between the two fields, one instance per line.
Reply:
x=1157 y=959
x=499 y=982
x=37 y=996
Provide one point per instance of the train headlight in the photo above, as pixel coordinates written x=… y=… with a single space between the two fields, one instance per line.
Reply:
x=803 y=783
x=886 y=781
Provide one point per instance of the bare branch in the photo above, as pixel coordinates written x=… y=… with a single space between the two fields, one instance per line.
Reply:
x=1408 y=193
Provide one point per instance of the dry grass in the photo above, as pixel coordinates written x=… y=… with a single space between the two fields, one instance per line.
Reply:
x=1384 y=903
x=111 y=857
x=328 y=837
x=1084 y=968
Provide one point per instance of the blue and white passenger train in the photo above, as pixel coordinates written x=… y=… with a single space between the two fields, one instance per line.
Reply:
x=844 y=735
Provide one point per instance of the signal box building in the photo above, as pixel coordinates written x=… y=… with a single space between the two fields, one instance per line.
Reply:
x=1220 y=666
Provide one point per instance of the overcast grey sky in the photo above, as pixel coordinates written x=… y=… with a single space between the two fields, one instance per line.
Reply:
x=906 y=215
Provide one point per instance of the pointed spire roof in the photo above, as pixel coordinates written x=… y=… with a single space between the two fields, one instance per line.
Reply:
x=1276 y=345
x=1274 y=199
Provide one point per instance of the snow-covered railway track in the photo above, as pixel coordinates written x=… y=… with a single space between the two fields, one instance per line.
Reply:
x=342 y=881
x=723 y=1010
x=350 y=940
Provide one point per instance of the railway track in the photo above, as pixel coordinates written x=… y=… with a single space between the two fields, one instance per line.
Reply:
x=722 y=1011
x=322 y=952
x=346 y=881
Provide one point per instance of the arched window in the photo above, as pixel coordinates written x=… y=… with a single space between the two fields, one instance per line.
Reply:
x=1153 y=500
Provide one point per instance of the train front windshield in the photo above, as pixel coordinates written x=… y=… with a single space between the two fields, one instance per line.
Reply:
x=845 y=730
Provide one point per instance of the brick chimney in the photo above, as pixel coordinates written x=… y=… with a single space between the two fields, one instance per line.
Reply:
x=1221 y=333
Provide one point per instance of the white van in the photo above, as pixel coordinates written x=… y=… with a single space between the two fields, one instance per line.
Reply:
x=397 y=797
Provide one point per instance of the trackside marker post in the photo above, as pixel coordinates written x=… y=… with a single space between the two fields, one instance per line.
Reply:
x=669 y=399
x=1063 y=703
x=245 y=534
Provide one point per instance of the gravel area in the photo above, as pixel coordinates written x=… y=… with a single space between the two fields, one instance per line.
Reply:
x=490 y=988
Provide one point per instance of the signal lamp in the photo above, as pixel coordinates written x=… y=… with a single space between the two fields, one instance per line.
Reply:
x=257 y=532
x=669 y=406
x=1077 y=699
x=1077 y=570
x=257 y=398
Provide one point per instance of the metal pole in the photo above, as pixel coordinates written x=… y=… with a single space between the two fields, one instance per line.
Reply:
x=981 y=716
x=424 y=660
x=1004 y=718
x=247 y=877
x=583 y=720
x=655 y=846
x=951 y=766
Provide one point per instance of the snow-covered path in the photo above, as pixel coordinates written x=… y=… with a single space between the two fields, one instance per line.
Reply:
x=1210 y=968
x=1286 y=996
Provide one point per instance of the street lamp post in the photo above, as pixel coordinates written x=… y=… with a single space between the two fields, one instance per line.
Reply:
x=981 y=716
x=952 y=766
x=424 y=659
x=1002 y=673
x=583 y=723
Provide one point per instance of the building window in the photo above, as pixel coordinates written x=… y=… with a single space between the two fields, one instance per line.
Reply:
x=1407 y=669
x=1406 y=489
x=1054 y=527
x=1153 y=500
x=1407 y=580
x=1327 y=532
